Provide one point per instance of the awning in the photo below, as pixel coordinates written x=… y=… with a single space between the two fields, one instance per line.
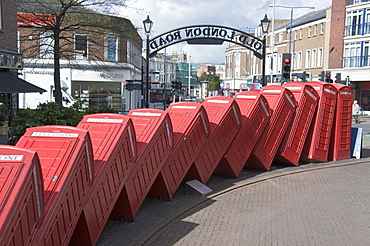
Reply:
x=10 y=83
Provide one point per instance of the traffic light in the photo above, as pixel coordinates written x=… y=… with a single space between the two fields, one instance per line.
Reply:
x=338 y=78
x=328 y=77
x=322 y=76
x=286 y=66
x=173 y=86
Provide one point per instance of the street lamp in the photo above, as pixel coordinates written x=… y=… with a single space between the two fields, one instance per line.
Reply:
x=291 y=19
x=189 y=78
x=148 y=24
x=265 y=22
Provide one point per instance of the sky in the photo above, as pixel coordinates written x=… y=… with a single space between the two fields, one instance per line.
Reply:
x=239 y=14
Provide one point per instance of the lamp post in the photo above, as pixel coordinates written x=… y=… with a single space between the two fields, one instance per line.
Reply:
x=189 y=78
x=148 y=24
x=291 y=21
x=265 y=22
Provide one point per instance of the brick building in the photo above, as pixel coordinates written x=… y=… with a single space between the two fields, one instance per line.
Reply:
x=349 y=47
x=10 y=65
x=100 y=57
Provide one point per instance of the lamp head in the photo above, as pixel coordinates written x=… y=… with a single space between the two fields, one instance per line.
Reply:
x=148 y=24
x=265 y=22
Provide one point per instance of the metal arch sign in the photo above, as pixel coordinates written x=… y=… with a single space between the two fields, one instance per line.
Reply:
x=206 y=34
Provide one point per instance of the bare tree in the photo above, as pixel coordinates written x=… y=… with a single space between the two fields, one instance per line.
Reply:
x=58 y=20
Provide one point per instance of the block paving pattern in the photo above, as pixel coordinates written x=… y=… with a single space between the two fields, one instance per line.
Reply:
x=313 y=204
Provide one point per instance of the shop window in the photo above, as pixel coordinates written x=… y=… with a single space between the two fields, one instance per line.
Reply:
x=101 y=94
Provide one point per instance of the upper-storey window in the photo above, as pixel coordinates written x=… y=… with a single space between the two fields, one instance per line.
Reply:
x=112 y=48
x=354 y=23
x=315 y=30
x=356 y=54
x=1 y=15
x=80 y=46
x=360 y=1
x=46 y=45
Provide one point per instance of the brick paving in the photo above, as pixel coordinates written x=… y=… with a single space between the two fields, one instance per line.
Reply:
x=313 y=204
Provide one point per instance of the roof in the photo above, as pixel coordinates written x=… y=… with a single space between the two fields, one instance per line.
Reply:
x=10 y=83
x=49 y=7
x=304 y=19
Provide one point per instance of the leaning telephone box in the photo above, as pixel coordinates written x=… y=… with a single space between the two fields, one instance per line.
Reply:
x=292 y=145
x=317 y=143
x=282 y=104
x=67 y=165
x=340 y=144
x=225 y=121
x=154 y=138
x=21 y=196
x=114 y=147
x=190 y=132
x=255 y=113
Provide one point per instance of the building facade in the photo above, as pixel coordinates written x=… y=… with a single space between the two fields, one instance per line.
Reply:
x=350 y=41
x=307 y=41
x=101 y=63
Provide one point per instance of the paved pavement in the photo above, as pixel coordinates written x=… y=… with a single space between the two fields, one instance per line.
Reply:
x=313 y=204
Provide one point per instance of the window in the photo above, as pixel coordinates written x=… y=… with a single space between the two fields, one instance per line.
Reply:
x=280 y=37
x=112 y=48
x=322 y=28
x=1 y=15
x=237 y=65
x=319 y=57
x=354 y=23
x=280 y=62
x=313 y=58
x=46 y=45
x=309 y=32
x=353 y=56
x=300 y=33
x=366 y=55
x=308 y=58
x=367 y=22
x=80 y=46
x=299 y=60
x=315 y=30
x=295 y=35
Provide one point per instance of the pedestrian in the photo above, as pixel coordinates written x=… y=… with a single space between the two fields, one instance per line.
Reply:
x=356 y=111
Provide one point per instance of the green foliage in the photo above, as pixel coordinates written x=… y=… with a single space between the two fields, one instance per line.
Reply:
x=52 y=114
x=4 y=113
x=214 y=80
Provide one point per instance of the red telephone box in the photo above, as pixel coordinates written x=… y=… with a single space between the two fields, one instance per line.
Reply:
x=317 y=143
x=190 y=132
x=114 y=147
x=21 y=196
x=282 y=104
x=154 y=138
x=66 y=159
x=255 y=114
x=225 y=121
x=340 y=144
x=292 y=145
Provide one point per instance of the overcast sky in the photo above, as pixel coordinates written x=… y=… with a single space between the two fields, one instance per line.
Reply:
x=240 y=14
